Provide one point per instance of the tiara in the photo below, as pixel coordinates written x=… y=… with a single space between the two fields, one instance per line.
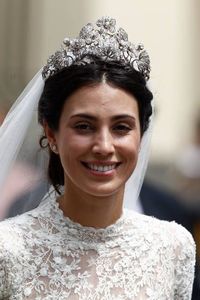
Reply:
x=102 y=40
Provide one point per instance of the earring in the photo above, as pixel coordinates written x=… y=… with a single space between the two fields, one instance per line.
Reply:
x=54 y=148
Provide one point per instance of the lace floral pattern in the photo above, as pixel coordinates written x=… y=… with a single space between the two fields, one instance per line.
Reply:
x=44 y=255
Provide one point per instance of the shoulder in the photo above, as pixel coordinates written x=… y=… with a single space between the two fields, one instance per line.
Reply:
x=15 y=232
x=12 y=249
x=164 y=232
x=171 y=240
x=12 y=232
x=18 y=237
x=170 y=244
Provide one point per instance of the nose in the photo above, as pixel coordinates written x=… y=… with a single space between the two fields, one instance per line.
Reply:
x=103 y=143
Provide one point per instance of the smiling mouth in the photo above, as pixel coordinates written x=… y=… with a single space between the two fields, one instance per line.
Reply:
x=102 y=167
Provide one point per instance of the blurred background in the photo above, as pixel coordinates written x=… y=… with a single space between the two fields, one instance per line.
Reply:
x=31 y=30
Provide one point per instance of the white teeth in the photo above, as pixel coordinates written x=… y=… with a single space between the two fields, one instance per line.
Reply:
x=101 y=168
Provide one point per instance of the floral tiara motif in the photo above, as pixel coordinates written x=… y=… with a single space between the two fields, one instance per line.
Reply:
x=101 y=40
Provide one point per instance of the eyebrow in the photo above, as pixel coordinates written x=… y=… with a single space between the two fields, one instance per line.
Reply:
x=93 y=118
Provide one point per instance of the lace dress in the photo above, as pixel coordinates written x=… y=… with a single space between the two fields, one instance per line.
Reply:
x=44 y=255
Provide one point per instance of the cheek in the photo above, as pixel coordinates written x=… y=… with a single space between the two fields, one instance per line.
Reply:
x=72 y=148
x=130 y=151
x=131 y=144
x=68 y=141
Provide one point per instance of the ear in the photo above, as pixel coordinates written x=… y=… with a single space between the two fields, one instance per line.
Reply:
x=50 y=134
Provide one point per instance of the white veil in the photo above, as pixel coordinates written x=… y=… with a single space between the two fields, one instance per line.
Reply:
x=134 y=184
x=15 y=126
x=21 y=161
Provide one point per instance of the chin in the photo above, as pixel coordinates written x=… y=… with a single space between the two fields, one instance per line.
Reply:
x=103 y=191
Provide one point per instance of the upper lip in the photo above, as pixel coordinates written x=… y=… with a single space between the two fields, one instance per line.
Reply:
x=102 y=163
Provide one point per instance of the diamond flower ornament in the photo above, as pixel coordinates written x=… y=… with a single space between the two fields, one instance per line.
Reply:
x=103 y=40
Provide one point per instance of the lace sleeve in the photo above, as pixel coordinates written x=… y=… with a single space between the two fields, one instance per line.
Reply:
x=4 y=290
x=185 y=258
x=7 y=244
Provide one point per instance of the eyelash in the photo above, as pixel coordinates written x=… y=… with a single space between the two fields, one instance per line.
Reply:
x=87 y=128
x=123 y=128
x=82 y=127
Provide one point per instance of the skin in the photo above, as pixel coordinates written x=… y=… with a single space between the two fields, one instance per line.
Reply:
x=99 y=126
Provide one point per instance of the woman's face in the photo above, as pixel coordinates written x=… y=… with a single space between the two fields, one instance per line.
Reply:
x=98 y=139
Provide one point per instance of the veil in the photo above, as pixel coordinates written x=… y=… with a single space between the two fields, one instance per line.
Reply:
x=21 y=161
x=134 y=184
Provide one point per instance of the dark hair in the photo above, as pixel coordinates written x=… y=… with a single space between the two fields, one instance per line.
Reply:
x=63 y=84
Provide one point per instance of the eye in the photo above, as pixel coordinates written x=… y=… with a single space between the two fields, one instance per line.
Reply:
x=83 y=127
x=122 y=128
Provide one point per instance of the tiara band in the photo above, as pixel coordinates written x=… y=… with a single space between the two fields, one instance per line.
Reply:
x=102 y=40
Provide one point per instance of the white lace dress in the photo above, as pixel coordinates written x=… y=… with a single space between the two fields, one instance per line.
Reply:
x=44 y=255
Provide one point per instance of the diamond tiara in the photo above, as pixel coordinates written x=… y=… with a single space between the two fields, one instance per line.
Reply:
x=101 y=40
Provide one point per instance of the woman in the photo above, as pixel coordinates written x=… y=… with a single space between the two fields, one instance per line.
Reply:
x=80 y=243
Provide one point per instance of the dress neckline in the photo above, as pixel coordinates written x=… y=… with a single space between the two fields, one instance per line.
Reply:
x=111 y=232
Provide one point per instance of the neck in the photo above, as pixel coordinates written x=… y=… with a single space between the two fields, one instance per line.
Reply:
x=91 y=211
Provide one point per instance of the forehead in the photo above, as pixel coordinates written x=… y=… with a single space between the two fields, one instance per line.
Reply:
x=100 y=99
